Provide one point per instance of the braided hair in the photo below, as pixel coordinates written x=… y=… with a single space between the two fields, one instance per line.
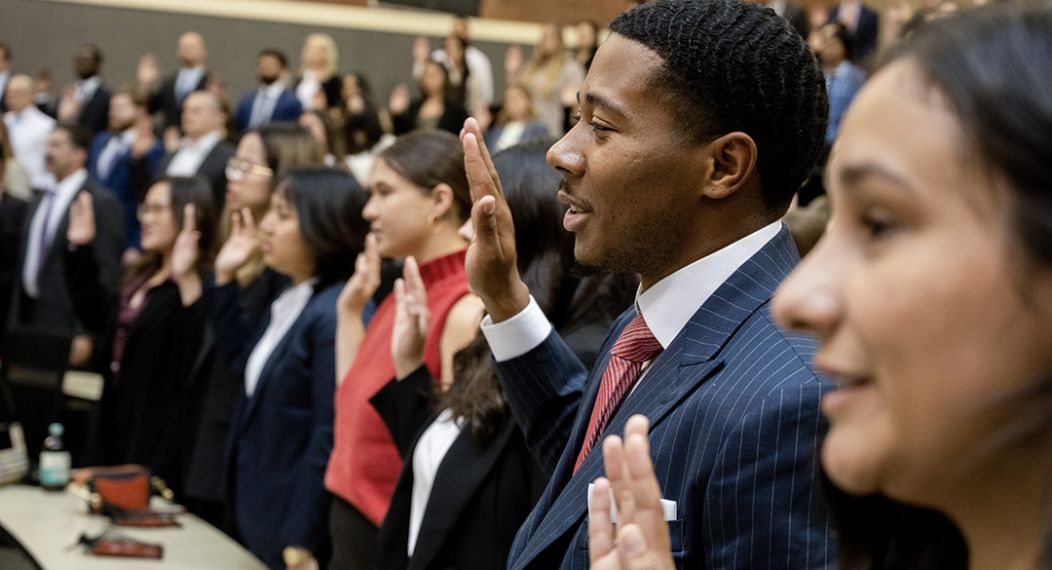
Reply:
x=736 y=66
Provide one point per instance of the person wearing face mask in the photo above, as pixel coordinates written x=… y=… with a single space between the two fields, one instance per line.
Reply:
x=272 y=101
x=149 y=339
x=931 y=298
x=282 y=428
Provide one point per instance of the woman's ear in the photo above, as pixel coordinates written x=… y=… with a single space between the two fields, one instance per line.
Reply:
x=441 y=201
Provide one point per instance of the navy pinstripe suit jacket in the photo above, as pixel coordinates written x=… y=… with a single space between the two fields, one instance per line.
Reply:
x=733 y=408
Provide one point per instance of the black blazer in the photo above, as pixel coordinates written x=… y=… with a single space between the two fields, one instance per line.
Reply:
x=452 y=119
x=212 y=169
x=481 y=494
x=164 y=100
x=12 y=226
x=331 y=87
x=94 y=115
x=54 y=307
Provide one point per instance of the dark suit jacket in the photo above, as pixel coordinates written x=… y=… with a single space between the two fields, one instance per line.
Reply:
x=481 y=493
x=54 y=307
x=866 y=33
x=452 y=119
x=331 y=87
x=212 y=169
x=122 y=180
x=12 y=227
x=288 y=108
x=282 y=436
x=734 y=415
x=165 y=101
x=94 y=115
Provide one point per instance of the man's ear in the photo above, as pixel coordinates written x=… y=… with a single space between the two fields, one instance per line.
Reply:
x=732 y=162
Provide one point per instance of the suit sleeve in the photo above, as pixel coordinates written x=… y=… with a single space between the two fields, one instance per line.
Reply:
x=544 y=388
x=762 y=508
x=109 y=239
x=404 y=406
x=306 y=522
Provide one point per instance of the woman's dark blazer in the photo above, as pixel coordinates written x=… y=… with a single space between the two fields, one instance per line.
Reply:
x=452 y=119
x=331 y=87
x=282 y=434
x=481 y=493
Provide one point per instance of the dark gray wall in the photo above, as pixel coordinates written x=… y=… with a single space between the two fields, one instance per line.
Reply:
x=43 y=33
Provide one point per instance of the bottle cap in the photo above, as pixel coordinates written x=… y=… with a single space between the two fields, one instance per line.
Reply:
x=55 y=429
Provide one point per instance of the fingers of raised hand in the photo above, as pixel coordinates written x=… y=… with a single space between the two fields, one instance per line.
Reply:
x=189 y=219
x=600 y=527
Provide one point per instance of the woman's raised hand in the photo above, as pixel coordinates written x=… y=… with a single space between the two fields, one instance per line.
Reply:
x=411 y=320
x=239 y=247
x=365 y=281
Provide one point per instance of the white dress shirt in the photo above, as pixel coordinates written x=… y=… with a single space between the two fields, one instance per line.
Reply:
x=283 y=314
x=191 y=154
x=667 y=306
x=117 y=145
x=85 y=89
x=37 y=248
x=263 y=104
x=479 y=67
x=28 y=131
x=187 y=80
x=308 y=87
x=430 y=450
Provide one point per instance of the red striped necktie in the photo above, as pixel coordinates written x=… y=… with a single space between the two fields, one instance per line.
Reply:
x=635 y=346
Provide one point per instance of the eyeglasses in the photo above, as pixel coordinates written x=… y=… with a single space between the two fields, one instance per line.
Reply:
x=237 y=169
x=155 y=209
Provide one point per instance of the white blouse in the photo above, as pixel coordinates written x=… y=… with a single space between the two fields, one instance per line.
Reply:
x=430 y=450
x=283 y=314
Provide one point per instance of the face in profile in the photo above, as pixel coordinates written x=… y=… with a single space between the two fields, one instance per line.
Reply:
x=248 y=184
x=399 y=213
x=284 y=249
x=625 y=167
x=159 y=227
x=925 y=315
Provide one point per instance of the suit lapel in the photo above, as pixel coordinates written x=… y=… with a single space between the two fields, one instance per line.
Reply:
x=691 y=359
x=455 y=487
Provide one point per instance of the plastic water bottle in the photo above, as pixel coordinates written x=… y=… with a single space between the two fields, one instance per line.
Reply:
x=54 y=461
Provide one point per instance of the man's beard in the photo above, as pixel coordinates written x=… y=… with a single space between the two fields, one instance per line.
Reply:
x=267 y=80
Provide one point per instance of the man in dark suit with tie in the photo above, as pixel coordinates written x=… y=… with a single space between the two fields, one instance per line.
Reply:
x=271 y=101
x=202 y=151
x=168 y=97
x=699 y=121
x=128 y=143
x=87 y=101
x=41 y=298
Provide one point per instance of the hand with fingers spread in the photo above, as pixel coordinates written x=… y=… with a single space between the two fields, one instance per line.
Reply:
x=491 y=261
x=641 y=540
x=239 y=247
x=411 y=320
x=81 y=230
x=363 y=283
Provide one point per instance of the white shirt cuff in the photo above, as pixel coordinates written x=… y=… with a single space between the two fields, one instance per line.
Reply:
x=518 y=335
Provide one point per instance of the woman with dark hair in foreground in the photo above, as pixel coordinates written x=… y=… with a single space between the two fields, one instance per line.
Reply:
x=931 y=297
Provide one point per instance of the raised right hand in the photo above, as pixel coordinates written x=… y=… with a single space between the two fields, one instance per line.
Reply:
x=421 y=49
x=81 y=230
x=239 y=247
x=364 y=283
x=399 y=101
x=412 y=316
x=491 y=261
x=148 y=71
x=185 y=251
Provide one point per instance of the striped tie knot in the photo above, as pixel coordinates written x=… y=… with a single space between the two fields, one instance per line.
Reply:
x=636 y=343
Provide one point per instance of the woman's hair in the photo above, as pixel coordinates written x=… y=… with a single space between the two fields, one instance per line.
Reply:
x=991 y=66
x=449 y=91
x=332 y=54
x=328 y=203
x=550 y=65
x=428 y=158
x=288 y=145
x=368 y=122
x=333 y=136
x=502 y=116
x=183 y=190
x=545 y=262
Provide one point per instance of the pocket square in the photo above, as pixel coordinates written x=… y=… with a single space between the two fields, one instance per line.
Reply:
x=668 y=508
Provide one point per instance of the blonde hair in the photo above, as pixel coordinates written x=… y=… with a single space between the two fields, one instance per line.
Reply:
x=551 y=66
x=332 y=54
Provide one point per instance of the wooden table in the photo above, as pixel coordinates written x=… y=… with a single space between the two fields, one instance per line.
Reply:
x=46 y=524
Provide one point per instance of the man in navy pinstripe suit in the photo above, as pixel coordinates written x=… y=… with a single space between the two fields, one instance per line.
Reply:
x=699 y=120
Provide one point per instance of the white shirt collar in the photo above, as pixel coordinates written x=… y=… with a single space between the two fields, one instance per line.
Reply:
x=69 y=185
x=273 y=91
x=192 y=71
x=202 y=145
x=87 y=87
x=126 y=137
x=669 y=304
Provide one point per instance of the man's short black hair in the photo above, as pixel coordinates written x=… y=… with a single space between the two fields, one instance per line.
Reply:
x=79 y=136
x=736 y=66
x=276 y=54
